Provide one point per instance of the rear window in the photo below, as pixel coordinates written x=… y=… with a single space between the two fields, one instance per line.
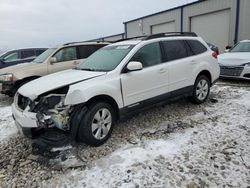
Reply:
x=27 y=53
x=40 y=51
x=87 y=50
x=175 y=49
x=196 y=47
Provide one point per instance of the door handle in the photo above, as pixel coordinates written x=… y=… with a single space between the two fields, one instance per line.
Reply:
x=76 y=62
x=162 y=70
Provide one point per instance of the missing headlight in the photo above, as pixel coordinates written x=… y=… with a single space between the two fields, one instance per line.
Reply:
x=51 y=111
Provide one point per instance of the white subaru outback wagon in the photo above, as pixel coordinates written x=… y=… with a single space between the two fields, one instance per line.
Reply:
x=115 y=81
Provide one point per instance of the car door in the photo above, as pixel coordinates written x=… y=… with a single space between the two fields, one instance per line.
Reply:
x=177 y=57
x=148 y=83
x=66 y=58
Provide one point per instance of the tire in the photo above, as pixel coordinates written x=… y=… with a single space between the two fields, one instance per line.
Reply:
x=201 y=89
x=96 y=124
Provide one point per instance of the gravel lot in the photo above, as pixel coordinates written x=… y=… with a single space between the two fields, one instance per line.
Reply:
x=173 y=145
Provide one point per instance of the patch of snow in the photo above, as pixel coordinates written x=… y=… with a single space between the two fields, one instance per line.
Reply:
x=61 y=148
x=7 y=126
x=196 y=157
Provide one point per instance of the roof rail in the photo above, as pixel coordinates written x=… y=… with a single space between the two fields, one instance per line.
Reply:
x=138 y=37
x=171 y=34
x=69 y=43
x=160 y=35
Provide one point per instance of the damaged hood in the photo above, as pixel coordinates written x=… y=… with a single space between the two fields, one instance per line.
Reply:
x=233 y=58
x=54 y=81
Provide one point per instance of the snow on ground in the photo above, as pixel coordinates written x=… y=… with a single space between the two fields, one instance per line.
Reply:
x=212 y=150
x=7 y=126
x=216 y=153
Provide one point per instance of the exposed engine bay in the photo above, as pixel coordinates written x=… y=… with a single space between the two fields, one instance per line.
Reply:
x=51 y=111
x=49 y=108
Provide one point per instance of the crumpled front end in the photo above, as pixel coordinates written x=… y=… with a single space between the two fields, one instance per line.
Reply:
x=46 y=111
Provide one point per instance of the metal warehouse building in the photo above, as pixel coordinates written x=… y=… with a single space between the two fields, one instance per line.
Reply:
x=221 y=22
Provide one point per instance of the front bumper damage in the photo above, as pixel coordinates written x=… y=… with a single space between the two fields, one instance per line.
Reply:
x=46 y=112
x=45 y=120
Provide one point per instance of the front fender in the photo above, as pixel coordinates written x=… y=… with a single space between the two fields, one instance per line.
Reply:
x=78 y=95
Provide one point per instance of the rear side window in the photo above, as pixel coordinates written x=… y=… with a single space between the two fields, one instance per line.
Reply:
x=175 y=49
x=66 y=54
x=148 y=55
x=38 y=52
x=196 y=47
x=87 y=50
x=27 y=53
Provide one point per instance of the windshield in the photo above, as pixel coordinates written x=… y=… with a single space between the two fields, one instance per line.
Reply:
x=41 y=58
x=241 y=47
x=106 y=59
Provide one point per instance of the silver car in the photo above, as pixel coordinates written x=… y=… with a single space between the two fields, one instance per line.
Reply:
x=236 y=62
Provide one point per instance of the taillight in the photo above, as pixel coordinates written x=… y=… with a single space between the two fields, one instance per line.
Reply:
x=215 y=55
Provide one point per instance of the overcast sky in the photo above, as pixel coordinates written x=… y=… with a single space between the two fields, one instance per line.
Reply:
x=45 y=23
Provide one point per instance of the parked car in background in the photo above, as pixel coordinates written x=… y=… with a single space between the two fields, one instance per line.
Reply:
x=236 y=62
x=15 y=57
x=52 y=60
x=214 y=48
x=114 y=82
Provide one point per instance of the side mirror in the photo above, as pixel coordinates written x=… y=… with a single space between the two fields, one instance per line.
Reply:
x=52 y=60
x=134 y=66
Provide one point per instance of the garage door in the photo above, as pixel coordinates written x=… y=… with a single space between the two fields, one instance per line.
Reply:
x=163 y=28
x=213 y=27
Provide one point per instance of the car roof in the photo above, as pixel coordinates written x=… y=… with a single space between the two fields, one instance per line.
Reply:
x=83 y=43
x=28 y=48
x=127 y=42
x=139 y=40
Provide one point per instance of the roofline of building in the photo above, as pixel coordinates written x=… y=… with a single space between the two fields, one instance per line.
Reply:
x=168 y=10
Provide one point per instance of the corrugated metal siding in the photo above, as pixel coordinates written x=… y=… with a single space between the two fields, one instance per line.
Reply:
x=113 y=38
x=205 y=7
x=143 y=26
x=110 y=38
x=244 y=24
x=213 y=27
x=163 y=27
x=210 y=7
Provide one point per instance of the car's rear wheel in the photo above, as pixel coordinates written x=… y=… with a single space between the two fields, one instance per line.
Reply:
x=201 y=89
x=97 y=123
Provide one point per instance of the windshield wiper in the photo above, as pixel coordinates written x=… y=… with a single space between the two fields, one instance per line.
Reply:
x=87 y=69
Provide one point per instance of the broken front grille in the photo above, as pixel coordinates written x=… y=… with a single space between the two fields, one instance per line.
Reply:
x=231 y=70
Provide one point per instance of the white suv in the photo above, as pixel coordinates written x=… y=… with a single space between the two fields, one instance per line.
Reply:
x=115 y=81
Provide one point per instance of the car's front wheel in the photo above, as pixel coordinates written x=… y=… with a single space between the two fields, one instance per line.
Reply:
x=201 y=89
x=97 y=123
